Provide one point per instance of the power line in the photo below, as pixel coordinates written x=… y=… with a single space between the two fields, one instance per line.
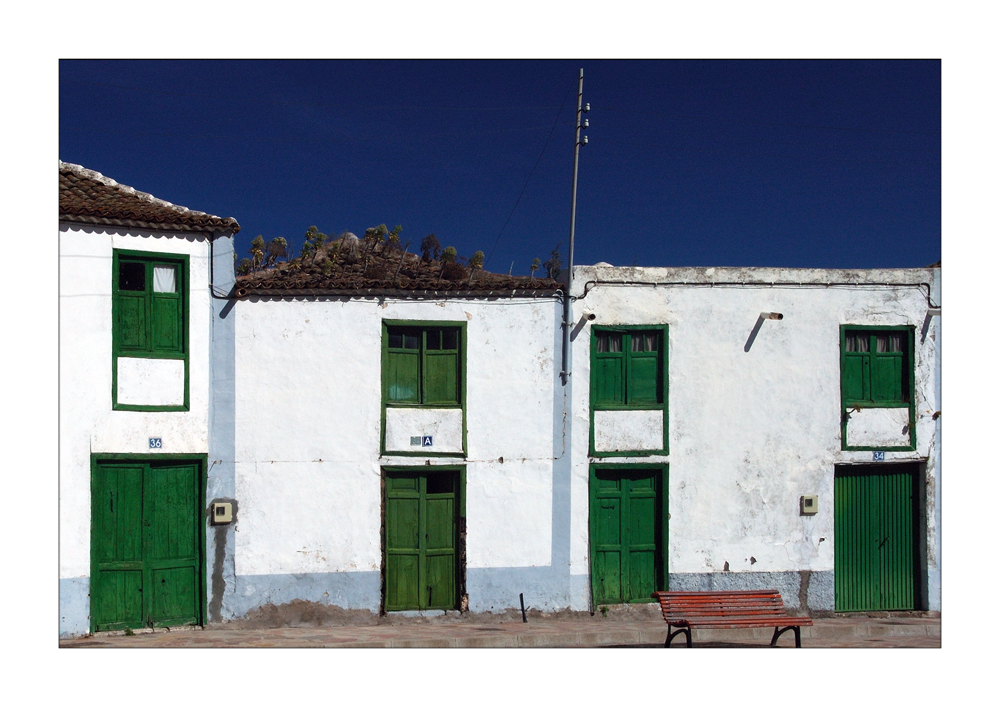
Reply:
x=554 y=123
x=772 y=124
x=758 y=155
x=145 y=90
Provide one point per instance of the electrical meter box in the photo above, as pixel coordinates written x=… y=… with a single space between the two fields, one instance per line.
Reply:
x=222 y=513
x=808 y=505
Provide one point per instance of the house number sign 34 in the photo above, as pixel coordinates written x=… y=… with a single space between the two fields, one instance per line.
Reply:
x=156 y=443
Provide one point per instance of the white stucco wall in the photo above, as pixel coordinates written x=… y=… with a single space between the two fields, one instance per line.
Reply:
x=308 y=415
x=87 y=424
x=444 y=427
x=878 y=427
x=628 y=430
x=150 y=381
x=750 y=431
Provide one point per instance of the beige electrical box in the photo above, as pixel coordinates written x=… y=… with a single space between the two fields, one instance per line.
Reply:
x=808 y=505
x=222 y=513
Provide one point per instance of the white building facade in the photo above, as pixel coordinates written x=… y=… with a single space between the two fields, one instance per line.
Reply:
x=137 y=325
x=384 y=448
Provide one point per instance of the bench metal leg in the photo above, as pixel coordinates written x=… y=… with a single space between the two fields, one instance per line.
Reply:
x=778 y=632
x=672 y=634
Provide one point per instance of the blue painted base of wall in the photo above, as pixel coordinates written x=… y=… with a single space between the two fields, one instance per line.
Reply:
x=801 y=591
x=348 y=590
x=74 y=607
x=495 y=590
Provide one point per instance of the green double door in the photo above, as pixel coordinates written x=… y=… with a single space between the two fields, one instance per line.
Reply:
x=627 y=534
x=875 y=537
x=421 y=540
x=145 y=544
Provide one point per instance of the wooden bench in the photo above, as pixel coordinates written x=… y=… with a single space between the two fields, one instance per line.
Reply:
x=749 y=609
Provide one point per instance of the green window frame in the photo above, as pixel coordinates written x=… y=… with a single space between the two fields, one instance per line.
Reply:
x=877 y=371
x=423 y=366
x=150 y=314
x=628 y=371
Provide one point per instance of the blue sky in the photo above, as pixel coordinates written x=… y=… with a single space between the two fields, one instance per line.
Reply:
x=830 y=164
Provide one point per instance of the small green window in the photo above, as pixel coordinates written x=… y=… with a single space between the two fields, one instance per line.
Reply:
x=422 y=365
x=627 y=368
x=148 y=306
x=876 y=366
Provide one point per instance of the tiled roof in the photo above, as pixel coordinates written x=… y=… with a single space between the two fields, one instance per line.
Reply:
x=87 y=196
x=384 y=270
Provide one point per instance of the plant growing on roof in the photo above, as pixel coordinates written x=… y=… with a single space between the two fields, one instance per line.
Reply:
x=534 y=266
x=257 y=253
x=475 y=263
x=553 y=266
x=449 y=254
x=277 y=248
x=373 y=235
x=244 y=267
x=430 y=248
x=314 y=242
x=393 y=237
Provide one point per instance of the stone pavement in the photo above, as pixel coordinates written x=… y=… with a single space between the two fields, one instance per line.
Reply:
x=893 y=631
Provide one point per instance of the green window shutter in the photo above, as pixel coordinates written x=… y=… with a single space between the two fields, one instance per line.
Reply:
x=644 y=368
x=852 y=371
x=422 y=366
x=887 y=378
x=130 y=322
x=149 y=305
x=440 y=377
x=610 y=375
x=403 y=376
x=166 y=323
x=875 y=366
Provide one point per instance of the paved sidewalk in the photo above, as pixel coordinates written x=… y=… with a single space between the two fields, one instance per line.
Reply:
x=539 y=632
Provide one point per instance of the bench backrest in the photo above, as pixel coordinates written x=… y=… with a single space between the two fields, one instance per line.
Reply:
x=746 y=603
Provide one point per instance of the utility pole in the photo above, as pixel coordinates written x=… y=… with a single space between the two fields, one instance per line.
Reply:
x=581 y=124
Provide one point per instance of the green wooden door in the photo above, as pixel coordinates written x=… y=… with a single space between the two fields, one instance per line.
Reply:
x=875 y=546
x=626 y=526
x=145 y=545
x=421 y=539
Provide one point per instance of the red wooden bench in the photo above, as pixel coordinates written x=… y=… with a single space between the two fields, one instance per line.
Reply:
x=749 y=609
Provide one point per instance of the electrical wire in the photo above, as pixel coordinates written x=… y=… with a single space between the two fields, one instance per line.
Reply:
x=771 y=124
x=511 y=214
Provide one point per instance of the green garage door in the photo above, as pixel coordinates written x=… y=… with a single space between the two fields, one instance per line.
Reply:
x=875 y=538
x=627 y=534
x=145 y=545
x=421 y=540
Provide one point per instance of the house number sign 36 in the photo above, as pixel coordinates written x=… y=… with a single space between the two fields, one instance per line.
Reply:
x=156 y=443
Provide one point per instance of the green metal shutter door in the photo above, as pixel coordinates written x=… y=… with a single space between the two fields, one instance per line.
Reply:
x=875 y=541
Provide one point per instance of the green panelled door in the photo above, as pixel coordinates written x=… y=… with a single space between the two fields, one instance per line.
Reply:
x=146 y=552
x=626 y=537
x=875 y=548
x=421 y=540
